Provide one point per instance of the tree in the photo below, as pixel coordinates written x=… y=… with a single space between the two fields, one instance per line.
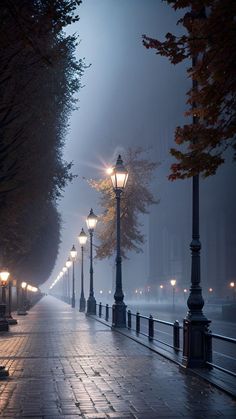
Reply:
x=39 y=77
x=208 y=39
x=135 y=200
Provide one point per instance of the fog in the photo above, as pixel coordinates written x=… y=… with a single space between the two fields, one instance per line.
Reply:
x=132 y=97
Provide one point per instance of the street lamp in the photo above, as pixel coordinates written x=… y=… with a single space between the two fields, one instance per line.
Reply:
x=82 y=241
x=64 y=284
x=9 y=316
x=119 y=177
x=91 y=224
x=232 y=286
x=185 y=293
x=22 y=311
x=173 y=283
x=73 y=255
x=68 y=265
x=4 y=275
x=197 y=349
x=4 y=326
x=161 y=293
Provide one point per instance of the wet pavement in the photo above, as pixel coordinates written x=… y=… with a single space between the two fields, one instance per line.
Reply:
x=63 y=364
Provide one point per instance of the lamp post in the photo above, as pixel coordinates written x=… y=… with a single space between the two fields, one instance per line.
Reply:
x=185 y=293
x=197 y=350
x=73 y=255
x=82 y=241
x=60 y=284
x=119 y=177
x=64 y=285
x=232 y=286
x=9 y=316
x=22 y=311
x=161 y=296
x=68 y=265
x=91 y=224
x=4 y=326
x=173 y=283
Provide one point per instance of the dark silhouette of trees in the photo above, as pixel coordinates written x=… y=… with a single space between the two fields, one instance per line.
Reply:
x=39 y=77
x=135 y=200
x=209 y=37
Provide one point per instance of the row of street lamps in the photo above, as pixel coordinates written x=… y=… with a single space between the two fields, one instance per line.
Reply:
x=82 y=238
x=119 y=177
x=6 y=318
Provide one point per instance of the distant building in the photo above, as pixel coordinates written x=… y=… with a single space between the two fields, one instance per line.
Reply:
x=170 y=233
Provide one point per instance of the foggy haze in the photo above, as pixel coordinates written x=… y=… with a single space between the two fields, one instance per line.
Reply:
x=133 y=97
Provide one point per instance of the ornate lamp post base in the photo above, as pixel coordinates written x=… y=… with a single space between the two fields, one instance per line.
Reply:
x=4 y=325
x=82 y=304
x=91 y=305
x=3 y=372
x=197 y=346
x=119 y=314
x=10 y=320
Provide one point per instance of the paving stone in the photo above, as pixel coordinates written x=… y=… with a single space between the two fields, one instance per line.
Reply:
x=64 y=364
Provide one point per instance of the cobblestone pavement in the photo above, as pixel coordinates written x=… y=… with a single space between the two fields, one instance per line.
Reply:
x=63 y=364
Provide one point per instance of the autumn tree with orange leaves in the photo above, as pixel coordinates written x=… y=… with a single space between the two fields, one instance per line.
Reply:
x=209 y=37
x=135 y=200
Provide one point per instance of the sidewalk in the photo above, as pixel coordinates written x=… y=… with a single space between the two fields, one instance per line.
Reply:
x=63 y=364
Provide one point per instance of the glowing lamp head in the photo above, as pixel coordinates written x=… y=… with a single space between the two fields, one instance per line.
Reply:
x=232 y=284
x=68 y=263
x=109 y=170
x=64 y=269
x=23 y=285
x=73 y=253
x=161 y=286
x=119 y=175
x=173 y=282
x=82 y=237
x=185 y=290
x=91 y=221
x=210 y=289
x=4 y=275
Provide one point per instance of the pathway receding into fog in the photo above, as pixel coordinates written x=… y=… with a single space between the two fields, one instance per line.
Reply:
x=64 y=364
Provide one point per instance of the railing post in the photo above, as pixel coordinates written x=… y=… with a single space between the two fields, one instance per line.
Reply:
x=150 y=328
x=129 y=319
x=107 y=313
x=137 y=322
x=176 y=330
x=100 y=310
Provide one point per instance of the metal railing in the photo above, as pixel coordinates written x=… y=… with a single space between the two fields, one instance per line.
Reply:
x=106 y=315
x=226 y=358
x=147 y=326
x=150 y=327
x=157 y=330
